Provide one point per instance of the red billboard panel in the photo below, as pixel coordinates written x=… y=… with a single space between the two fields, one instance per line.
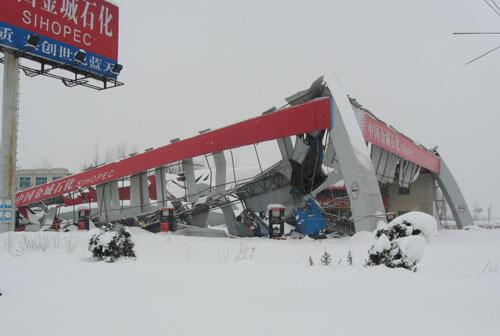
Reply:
x=64 y=27
x=91 y=25
x=381 y=135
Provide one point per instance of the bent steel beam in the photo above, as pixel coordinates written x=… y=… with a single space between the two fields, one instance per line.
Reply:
x=233 y=227
x=308 y=117
x=286 y=147
x=454 y=197
x=355 y=164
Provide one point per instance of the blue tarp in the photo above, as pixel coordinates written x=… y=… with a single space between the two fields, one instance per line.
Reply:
x=310 y=221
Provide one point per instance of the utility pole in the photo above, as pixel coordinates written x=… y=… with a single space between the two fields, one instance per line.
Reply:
x=489 y=214
x=8 y=149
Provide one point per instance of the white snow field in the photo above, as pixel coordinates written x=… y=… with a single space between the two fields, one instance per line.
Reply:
x=221 y=286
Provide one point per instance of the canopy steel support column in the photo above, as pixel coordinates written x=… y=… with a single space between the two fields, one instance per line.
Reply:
x=220 y=172
x=220 y=187
x=454 y=197
x=161 y=187
x=355 y=164
x=188 y=168
x=8 y=151
x=103 y=202
x=286 y=147
x=233 y=227
x=331 y=162
x=108 y=200
x=114 y=191
x=114 y=196
x=139 y=193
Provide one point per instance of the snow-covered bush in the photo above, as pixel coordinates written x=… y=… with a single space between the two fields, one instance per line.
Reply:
x=425 y=223
x=401 y=243
x=404 y=252
x=410 y=224
x=326 y=258
x=109 y=244
x=410 y=251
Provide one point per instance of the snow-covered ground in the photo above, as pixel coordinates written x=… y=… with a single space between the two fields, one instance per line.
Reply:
x=214 y=286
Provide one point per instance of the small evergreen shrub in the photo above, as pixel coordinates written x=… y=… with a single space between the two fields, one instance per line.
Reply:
x=109 y=244
x=349 y=258
x=397 y=230
x=326 y=258
x=397 y=244
x=403 y=252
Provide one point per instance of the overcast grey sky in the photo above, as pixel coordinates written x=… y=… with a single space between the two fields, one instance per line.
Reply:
x=190 y=65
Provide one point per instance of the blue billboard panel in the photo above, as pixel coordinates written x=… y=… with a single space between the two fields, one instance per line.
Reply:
x=55 y=51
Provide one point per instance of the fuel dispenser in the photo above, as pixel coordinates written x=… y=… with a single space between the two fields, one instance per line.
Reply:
x=83 y=219
x=167 y=220
x=56 y=224
x=276 y=222
x=19 y=227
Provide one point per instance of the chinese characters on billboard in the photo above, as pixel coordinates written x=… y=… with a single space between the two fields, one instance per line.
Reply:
x=68 y=184
x=64 y=27
x=383 y=136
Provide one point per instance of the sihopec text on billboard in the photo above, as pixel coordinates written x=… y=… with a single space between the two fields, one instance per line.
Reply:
x=65 y=27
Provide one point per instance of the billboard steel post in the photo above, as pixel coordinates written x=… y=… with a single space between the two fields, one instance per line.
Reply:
x=8 y=151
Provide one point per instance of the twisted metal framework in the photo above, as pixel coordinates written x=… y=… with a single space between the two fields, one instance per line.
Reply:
x=58 y=71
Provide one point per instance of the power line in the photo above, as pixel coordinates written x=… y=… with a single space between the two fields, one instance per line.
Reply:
x=477 y=33
x=496 y=6
x=493 y=5
x=481 y=56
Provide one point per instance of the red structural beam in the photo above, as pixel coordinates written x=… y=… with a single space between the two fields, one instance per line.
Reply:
x=381 y=135
x=308 y=117
x=305 y=118
x=123 y=194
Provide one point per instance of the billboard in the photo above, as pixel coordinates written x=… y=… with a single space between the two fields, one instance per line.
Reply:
x=64 y=27
x=6 y=211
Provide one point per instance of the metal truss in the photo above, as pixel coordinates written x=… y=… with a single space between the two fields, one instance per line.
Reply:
x=76 y=78
x=260 y=185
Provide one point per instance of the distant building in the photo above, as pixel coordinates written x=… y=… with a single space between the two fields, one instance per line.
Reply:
x=27 y=178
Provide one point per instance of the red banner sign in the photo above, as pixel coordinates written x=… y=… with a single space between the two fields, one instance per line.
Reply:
x=379 y=134
x=91 y=25
x=68 y=184
x=308 y=117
